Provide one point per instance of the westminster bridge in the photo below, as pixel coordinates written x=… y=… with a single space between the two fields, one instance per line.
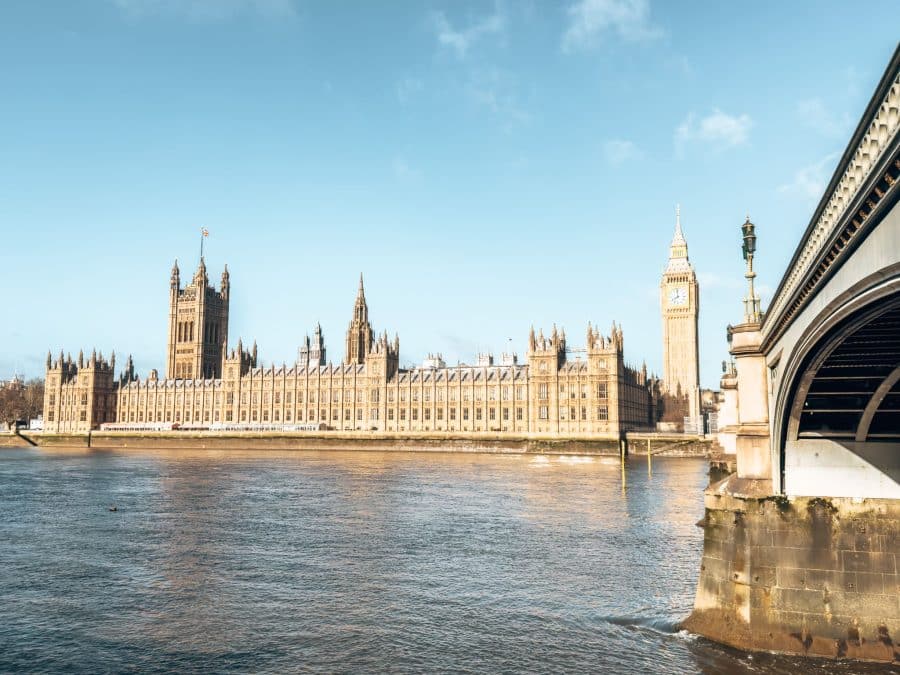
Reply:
x=802 y=543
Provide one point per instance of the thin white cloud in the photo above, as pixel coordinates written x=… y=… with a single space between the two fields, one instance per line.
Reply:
x=461 y=40
x=618 y=151
x=809 y=181
x=495 y=90
x=813 y=113
x=718 y=130
x=589 y=20
x=207 y=10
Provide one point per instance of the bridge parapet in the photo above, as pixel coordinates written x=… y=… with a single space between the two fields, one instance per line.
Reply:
x=860 y=182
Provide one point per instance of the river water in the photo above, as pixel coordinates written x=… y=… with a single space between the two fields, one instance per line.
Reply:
x=354 y=562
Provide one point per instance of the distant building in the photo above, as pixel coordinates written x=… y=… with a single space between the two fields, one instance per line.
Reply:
x=433 y=361
x=312 y=352
x=15 y=382
x=208 y=384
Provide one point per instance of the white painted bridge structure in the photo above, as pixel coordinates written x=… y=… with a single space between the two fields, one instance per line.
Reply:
x=812 y=398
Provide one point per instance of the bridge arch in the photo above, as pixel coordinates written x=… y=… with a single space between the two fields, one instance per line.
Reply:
x=836 y=413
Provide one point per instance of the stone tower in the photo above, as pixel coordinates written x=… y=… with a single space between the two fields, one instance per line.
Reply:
x=312 y=352
x=680 y=305
x=198 y=326
x=359 y=334
x=546 y=356
x=80 y=394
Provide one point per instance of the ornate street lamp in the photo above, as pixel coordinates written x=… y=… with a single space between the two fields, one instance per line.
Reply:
x=749 y=231
x=752 y=312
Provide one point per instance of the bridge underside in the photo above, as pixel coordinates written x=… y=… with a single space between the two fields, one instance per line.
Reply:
x=844 y=426
x=855 y=392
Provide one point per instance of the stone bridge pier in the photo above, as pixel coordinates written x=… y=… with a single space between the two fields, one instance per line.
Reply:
x=802 y=543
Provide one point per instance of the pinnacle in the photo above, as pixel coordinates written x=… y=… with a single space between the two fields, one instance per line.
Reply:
x=678 y=238
x=678 y=249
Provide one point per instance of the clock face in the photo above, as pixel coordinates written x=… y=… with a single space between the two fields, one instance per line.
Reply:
x=678 y=296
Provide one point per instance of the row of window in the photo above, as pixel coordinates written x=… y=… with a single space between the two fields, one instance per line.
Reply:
x=602 y=413
x=184 y=371
x=573 y=391
x=570 y=413
x=374 y=395
x=565 y=391
x=184 y=332
x=66 y=416
x=599 y=364
x=69 y=399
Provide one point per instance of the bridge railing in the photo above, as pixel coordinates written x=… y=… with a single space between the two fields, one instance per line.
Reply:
x=840 y=203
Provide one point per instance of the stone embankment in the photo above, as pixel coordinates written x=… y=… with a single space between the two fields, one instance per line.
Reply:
x=15 y=440
x=800 y=575
x=664 y=445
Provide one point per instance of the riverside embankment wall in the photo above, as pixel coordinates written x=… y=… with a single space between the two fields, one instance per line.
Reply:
x=369 y=441
x=668 y=445
x=802 y=575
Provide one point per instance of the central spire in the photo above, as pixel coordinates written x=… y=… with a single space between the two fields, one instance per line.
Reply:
x=359 y=334
x=678 y=247
x=200 y=276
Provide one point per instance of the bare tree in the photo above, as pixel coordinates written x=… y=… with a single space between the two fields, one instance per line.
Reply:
x=12 y=404
x=21 y=401
x=34 y=398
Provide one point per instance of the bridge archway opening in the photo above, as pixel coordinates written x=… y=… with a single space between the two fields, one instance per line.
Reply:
x=854 y=391
x=845 y=405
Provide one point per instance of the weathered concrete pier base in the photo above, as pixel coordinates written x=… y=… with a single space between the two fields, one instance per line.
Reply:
x=809 y=576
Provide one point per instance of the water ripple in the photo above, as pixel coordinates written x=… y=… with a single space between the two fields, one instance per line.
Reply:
x=353 y=563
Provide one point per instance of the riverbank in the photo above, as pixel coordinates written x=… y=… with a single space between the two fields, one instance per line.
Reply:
x=658 y=444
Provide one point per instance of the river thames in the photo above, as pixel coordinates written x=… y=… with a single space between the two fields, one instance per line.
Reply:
x=354 y=562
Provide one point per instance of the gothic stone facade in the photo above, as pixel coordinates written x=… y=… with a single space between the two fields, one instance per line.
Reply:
x=80 y=395
x=680 y=307
x=552 y=394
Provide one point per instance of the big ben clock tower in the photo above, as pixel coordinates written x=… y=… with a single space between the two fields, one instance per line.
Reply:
x=680 y=305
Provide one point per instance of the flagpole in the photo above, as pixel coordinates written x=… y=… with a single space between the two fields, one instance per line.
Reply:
x=201 y=243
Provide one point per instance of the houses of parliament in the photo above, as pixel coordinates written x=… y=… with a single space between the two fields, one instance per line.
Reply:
x=559 y=391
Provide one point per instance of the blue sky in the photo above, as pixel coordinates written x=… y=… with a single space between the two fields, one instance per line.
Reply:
x=486 y=165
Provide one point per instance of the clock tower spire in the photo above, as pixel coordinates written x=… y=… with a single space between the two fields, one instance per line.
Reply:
x=678 y=249
x=680 y=306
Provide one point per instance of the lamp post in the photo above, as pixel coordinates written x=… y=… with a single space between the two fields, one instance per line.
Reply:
x=752 y=312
